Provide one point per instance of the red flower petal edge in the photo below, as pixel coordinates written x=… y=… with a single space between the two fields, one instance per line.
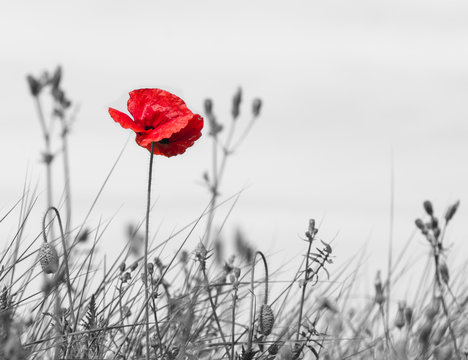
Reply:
x=162 y=118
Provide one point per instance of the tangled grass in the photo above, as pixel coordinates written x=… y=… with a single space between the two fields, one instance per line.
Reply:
x=58 y=301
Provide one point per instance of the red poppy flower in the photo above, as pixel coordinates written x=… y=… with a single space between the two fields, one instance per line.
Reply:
x=162 y=118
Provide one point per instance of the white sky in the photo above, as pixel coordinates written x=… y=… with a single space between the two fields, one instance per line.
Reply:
x=342 y=83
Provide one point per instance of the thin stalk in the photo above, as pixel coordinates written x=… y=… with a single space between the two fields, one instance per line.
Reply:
x=442 y=300
x=66 y=170
x=233 y=323
x=47 y=155
x=306 y=276
x=252 y=295
x=214 y=189
x=213 y=308
x=158 y=332
x=148 y=205
x=390 y=240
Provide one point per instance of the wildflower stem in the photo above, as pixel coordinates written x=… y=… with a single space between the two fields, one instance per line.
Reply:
x=148 y=205
x=436 y=255
x=306 y=276
x=48 y=153
x=252 y=298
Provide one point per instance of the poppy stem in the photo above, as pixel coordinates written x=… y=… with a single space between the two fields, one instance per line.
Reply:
x=148 y=204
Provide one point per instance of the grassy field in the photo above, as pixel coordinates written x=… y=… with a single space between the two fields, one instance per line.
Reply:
x=61 y=299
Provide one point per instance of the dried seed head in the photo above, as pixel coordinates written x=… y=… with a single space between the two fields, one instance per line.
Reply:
x=379 y=295
x=399 y=321
x=84 y=235
x=125 y=277
x=237 y=272
x=267 y=319
x=236 y=101
x=451 y=211
x=444 y=272
x=421 y=226
x=310 y=233
x=34 y=85
x=256 y=107
x=274 y=348
x=424 y=335
x=122 y=267
x=428 y=208
x=208 y=106
x=150 y=268
x=133 y=266
x=408 y=316
x=56 y=77
x=49 y=258
x=184 y=256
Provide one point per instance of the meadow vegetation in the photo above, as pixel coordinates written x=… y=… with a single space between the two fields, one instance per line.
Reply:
x=60 y=302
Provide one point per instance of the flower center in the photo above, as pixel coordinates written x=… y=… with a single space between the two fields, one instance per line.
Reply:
x=163 y=141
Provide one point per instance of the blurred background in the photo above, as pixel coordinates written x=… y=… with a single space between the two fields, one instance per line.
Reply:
x=346 y=88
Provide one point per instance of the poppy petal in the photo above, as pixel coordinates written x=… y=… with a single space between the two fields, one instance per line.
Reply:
x=168 y=129
x=154 y=107
x=177 y=142
x=124 y=120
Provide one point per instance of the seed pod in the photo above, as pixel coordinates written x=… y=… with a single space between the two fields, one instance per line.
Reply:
x=451 y=211
x=208 y=106
x=56 y=77
x=267 y=319
x=34 y=85
x=379 y=295
x=49 y=258
x=399 y=321
x=428 y=208
x=236 y=101
x=408 y=316
x=256 y=107
x=444 y=272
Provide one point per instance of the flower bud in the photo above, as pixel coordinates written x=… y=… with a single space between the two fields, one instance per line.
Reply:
x=421 y=226
x=267 y=319
x=256 y=107
x=134 y=266
x=208 y=106
x=451 y=211
x=150 y=268
x=379 y=295
x=400 y=316
x=49 y=258
x=34 y=85
x=236 y=101
x=428 y=208
x=122 y=267
x=444 y=272
x=56 y=77
x=237 y=272
x=408 y=316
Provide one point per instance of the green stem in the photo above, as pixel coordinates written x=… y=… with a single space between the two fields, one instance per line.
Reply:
x=148 y=205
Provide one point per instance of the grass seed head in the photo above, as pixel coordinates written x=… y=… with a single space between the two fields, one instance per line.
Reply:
x=451 y=211
x=267 y=319
x=49 y=258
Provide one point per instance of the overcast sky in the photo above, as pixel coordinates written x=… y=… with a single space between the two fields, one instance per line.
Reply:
x=344 y=85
